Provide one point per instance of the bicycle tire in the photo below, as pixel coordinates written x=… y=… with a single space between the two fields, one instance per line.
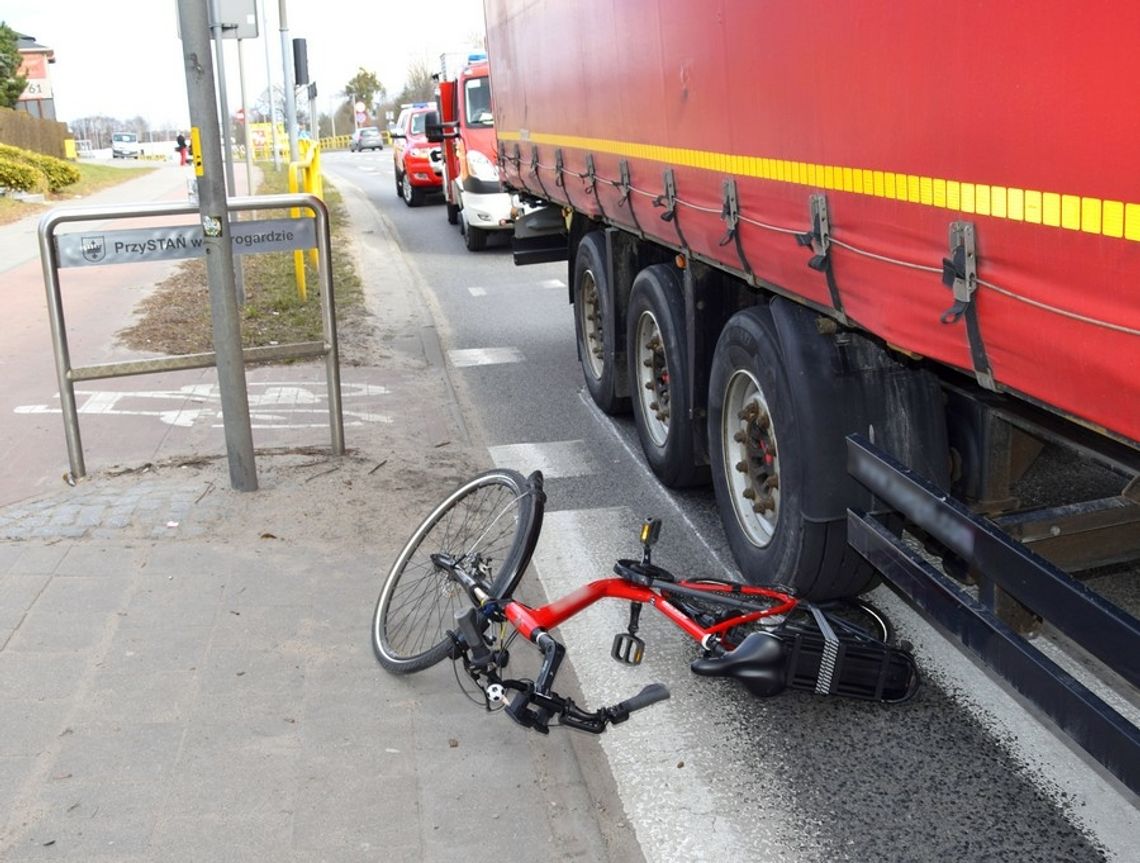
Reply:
x=857 y=613
x=496 y=514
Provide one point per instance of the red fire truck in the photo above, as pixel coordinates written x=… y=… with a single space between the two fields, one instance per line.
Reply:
x=475 y=199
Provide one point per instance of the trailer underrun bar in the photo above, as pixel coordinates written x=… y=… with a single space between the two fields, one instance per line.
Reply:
x=1103 y=629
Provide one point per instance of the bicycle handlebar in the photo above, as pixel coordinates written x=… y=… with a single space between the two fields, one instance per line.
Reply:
x=651 y=694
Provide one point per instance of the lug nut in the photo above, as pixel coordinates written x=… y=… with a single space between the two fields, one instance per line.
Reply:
x=749 y=493
x=739 y=437
x=742 y=467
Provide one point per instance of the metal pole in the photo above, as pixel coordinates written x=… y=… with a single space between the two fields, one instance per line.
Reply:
x=269 y=92
x=249 y=190
x=314 y=120
x=62 y=352
x=214 y=212
x=227 y=150
x=332 y=358
x=290 y=90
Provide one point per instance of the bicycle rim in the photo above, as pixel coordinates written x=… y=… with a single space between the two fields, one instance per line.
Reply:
x=492 y=519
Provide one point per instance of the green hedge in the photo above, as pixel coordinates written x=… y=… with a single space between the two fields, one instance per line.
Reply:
x=58 y=174
x=19 y=176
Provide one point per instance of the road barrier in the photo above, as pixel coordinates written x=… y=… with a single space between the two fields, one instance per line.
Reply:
x=101 y=247
x=305 y=177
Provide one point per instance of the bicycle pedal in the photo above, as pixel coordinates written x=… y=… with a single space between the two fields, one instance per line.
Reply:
x=628 y=648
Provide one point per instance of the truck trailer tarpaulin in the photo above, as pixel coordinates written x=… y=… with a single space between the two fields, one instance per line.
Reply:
x=1018 y=119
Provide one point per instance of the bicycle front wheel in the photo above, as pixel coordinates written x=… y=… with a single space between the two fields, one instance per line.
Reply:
x=492 y=521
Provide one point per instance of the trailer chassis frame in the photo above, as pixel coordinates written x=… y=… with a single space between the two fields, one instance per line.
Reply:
x=1106 y=631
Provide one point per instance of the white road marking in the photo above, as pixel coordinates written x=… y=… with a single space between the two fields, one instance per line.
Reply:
x=555 y=459
x=477 y=292
x=465 y=357
x=730 y=572
x=1063 y=771
x=285 y=398
x=552 y=283
x=677 y=816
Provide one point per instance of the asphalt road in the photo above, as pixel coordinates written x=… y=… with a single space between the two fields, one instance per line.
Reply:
x=961 y=773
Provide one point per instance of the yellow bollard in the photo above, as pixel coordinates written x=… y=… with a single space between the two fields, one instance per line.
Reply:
x=305 y=175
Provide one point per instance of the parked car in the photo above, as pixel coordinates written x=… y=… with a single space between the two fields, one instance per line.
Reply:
x=419 y=164
x=366 y=138
x=125 y=145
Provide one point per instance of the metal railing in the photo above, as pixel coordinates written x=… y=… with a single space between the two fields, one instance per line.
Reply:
x=69 y=374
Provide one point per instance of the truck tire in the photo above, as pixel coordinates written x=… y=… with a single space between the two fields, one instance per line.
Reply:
x=658 y=376
x=594 y=317
x=783 y=396
x=452 y=214
x=399 y=185
x=764 y=462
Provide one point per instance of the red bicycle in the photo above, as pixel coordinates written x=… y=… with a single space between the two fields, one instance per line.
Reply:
x=450 y=592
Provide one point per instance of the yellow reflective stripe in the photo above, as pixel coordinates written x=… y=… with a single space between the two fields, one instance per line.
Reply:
x=1117 y=219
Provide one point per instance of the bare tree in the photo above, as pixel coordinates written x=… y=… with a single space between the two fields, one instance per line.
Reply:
x=419 y=86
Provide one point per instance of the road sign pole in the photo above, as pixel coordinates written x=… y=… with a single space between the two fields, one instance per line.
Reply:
x=248 y=141
x=216 y=28
x=213 y=208
x=290 y=90
x=264 y=34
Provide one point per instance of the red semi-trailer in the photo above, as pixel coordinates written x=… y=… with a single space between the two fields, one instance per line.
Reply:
x=791 y=222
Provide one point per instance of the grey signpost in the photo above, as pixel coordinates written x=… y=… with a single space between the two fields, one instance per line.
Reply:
x=214 y=213
x=290 y=89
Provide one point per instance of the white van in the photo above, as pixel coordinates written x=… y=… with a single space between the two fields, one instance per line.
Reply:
x=125 y=145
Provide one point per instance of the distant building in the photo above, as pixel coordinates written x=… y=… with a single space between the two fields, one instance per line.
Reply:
x=37 y=98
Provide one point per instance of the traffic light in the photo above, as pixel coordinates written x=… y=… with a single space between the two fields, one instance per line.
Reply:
x=300 y=62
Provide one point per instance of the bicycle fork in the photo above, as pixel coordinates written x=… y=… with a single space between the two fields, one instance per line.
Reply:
x=534 y=705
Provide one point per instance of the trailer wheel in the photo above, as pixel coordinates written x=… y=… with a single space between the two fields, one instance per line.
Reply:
x=655 y=340
x=767 y=441
x=593 y=310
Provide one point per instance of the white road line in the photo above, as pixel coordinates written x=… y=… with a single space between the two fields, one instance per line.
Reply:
x=477 y=292
x=465 y=357
x=679 y=815
x=555 y=459
x=605 y=422
x=1061 y=770
x=552 y=283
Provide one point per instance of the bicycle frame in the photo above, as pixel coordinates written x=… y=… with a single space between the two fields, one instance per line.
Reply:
x=529 y=620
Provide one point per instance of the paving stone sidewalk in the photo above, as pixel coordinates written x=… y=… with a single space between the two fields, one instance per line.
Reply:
x=186 y=672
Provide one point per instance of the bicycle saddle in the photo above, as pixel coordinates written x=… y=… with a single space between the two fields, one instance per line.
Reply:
x=758 y=662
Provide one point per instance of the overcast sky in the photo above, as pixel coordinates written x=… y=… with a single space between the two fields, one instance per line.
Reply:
x=122 y=58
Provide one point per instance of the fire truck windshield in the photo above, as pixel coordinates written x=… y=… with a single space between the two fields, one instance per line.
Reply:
x=477 y=99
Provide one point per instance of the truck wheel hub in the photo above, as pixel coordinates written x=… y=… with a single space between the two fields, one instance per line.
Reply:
x=751 y=465
x=653 y=378
x=593 y=338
